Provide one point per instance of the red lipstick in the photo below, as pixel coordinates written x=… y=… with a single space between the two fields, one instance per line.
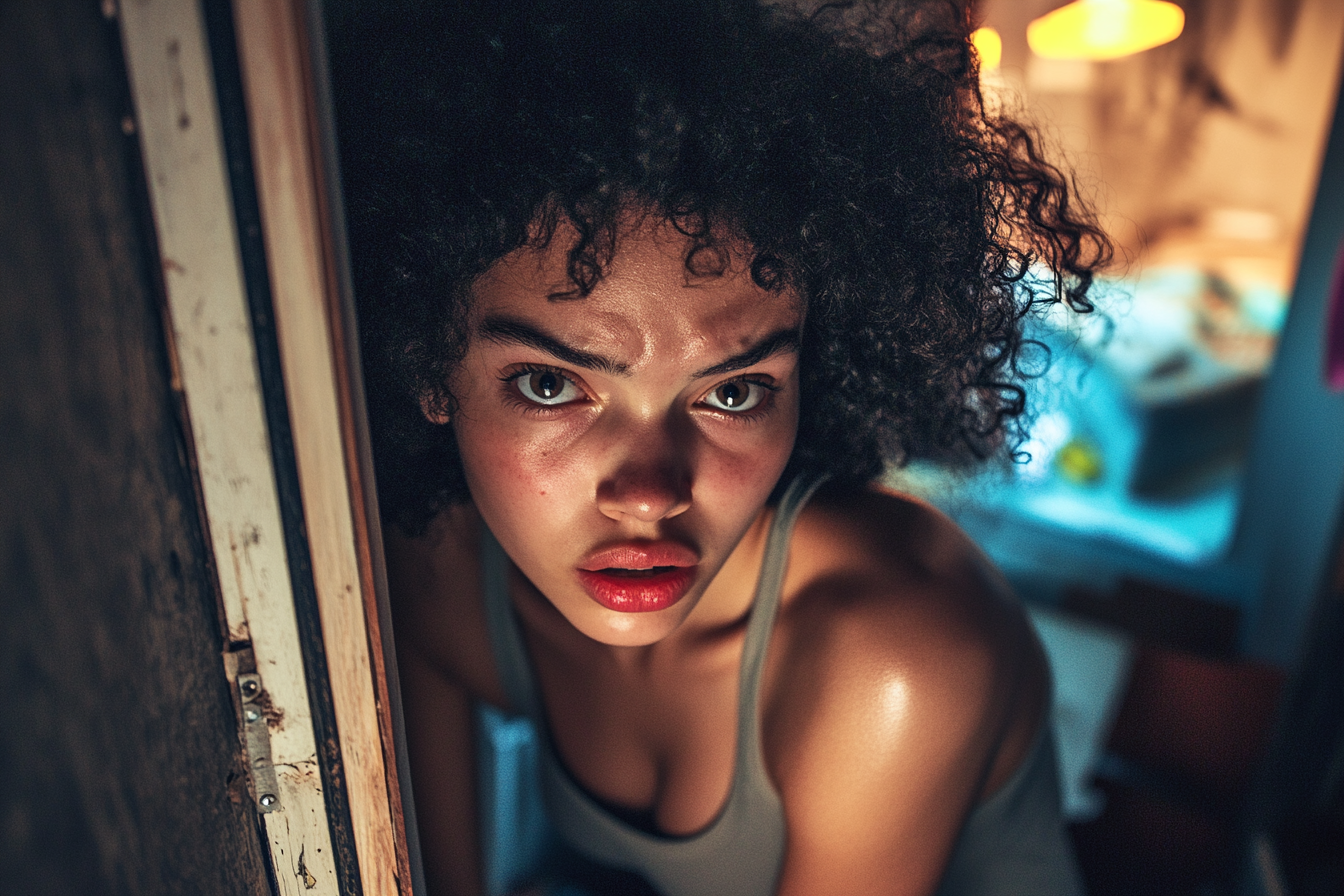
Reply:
x=639 y=577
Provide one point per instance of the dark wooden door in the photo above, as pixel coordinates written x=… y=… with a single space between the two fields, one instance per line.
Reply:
x=119 y=759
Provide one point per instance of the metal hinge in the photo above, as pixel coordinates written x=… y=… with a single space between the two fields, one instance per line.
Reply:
x=253 y=710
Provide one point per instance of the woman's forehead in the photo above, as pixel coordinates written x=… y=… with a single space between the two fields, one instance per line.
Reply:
x=647 y=300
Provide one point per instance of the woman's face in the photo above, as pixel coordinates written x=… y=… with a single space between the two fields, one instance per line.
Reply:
x=620 y=445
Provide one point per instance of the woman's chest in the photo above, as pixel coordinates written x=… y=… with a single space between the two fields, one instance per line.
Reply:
x=651 y=743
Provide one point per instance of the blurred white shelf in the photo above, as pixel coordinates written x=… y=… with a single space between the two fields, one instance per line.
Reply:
x=1090 y=665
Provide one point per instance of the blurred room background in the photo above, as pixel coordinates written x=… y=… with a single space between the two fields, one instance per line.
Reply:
x=1181 y=438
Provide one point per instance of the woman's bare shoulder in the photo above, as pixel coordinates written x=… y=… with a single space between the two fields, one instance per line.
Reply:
x=434 y=583
x=417 y=563
x=904 y=667
x=883 y=565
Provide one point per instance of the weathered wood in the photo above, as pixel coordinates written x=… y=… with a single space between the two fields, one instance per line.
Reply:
x=119 y=758
x=274 y=51
x=189 y=190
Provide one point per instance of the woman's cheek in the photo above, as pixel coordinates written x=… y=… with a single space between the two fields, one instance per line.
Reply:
x=730 y=458
x=760 y=444
x=518 y=461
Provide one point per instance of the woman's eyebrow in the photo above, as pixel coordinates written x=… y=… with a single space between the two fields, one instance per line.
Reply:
x=506 y=329
x=785 y=340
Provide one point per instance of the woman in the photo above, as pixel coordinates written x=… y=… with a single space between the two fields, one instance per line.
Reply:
x=650 y=293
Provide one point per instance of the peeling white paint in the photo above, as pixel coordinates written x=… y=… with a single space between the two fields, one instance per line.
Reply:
x=169 y=68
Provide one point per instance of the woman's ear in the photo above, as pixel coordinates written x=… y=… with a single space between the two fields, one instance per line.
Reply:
x=435 y=407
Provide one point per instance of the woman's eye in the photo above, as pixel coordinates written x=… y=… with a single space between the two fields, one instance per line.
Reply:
x=736 y=396
x=547 y=387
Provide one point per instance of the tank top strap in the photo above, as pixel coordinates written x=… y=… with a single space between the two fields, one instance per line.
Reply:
x=750 y=764
x=506 y=641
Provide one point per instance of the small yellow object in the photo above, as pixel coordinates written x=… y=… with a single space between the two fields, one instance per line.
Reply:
x=1079 y=462
x=1104 y=29
x=988 y=46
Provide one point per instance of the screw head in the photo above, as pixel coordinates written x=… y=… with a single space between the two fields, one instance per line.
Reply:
x=268 y=800
x=251 y=714
x=249 y=687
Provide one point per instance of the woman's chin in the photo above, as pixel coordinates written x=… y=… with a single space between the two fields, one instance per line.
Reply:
x=617 y=629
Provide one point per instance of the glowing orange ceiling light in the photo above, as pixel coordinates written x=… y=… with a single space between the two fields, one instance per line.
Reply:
x=1104 y=29
x=988 y=46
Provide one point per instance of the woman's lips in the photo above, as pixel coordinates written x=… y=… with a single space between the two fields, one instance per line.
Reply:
x=639 y=577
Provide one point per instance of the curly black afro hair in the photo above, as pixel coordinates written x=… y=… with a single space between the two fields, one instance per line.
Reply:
x=847 y=146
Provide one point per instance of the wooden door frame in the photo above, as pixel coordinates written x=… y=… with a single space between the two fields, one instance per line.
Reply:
x=262 y=337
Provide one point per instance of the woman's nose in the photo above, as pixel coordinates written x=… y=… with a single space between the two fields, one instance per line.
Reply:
x=651 y=485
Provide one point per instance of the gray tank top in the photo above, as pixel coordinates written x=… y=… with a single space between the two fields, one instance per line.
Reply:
x=1011 y=843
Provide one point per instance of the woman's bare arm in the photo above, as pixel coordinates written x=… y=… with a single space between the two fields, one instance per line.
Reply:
x=441 y=740
x=909 y=685
x=444 y=668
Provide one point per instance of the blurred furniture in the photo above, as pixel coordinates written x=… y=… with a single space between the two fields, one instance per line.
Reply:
x=1295 y=840
x=1189 y=735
